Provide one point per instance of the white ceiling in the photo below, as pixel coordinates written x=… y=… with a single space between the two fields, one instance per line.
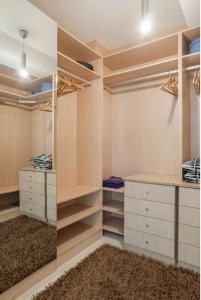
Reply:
x=115 y=23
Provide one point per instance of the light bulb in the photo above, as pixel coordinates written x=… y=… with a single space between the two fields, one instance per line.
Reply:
x=146 y=25
x=23 y=73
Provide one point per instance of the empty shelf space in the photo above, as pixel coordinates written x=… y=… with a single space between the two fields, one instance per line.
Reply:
x=76 y=192
x=74 y=48
x=114 y=224
x=73 y=235
x=192 y=33
x=141 y=71
x=144 y=53
x=120 y=190
x=73 y=213
x=70 y=65
x=191 y=59
x=114 y=206
x=9 y=189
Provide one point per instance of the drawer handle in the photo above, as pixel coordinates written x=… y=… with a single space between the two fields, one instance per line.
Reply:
x=147 y=193
x=147 y=242
x=147 y=209
x=30 y=187
x=30 y=198
x=30 y=209
x=147 y=225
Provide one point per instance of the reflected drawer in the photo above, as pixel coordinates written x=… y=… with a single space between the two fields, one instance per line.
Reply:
x=51 y=214
x=51 y=202
x=32 y=209
x=149 y=242
x=189 y=216
x=51 y=190
x=36 y=199
x=189 y=197
x=37 y=188
x=154 y=192
x=38 y=177
x=146 y=208
x=51 y=179
x=149 y=225
x=189 y=235
x=189 y=254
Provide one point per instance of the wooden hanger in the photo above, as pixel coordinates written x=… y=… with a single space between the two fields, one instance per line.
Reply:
x=47 y=107
x=196 y=82
x=66 y=85
x=170 y=86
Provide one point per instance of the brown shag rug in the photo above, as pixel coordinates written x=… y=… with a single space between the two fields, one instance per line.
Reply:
x=26 y=245
x=110 y=273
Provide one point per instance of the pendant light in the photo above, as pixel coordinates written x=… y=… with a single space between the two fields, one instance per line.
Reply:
x=23 y=68
x=146 y=21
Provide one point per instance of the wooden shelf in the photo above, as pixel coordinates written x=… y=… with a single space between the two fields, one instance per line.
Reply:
x=141 y=71
x=73 y=235
x=74 y=48
x=114 y=206
x=15 y=96
x=191 y=59
x=76 y=192
x=114 y=224
x=73 y=213
x=75 y=68
x=120 y=190
x=9 y=189
x=144 y=53
x=192 y=33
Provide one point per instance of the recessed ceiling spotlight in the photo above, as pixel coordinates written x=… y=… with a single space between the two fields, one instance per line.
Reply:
x=23 y=68
x=146 y=20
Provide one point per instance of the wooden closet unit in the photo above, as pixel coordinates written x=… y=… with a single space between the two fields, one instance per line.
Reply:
x=78 y=149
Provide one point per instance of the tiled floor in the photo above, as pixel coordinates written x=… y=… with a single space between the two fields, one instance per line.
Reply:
x=111 y=239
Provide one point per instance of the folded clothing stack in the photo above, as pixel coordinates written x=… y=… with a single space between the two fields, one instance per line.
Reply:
x=113 y=182
x=192 y=170
x=42 y=161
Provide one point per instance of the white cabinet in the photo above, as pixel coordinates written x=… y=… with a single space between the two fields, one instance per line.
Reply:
x=189 y=226
x=150 y=217
x=51 y=198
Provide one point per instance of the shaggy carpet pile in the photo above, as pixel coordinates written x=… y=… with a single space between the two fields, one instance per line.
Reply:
x=26 y=245
x=110 y=273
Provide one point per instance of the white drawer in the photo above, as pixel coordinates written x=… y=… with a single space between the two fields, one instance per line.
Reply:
x=32 y=209
x=51 y=202
x=149 y=225
x=29 y=176
x=189 y=197
x=154 y=192
x=150 y=242
x=51 y=179
x=36 y=199
x=189 y=216
x=51 y=190
x=51 y=214
x=189 y=254
x=151 y=209
x=189 y=235
x=33 y=187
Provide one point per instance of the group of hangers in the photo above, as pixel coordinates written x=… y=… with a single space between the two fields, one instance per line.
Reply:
x=170 y=86
x=66 y=85
x=48 y=107
x=196 y=82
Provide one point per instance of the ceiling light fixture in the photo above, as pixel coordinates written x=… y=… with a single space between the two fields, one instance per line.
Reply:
x=146 y=21
x=23 y=68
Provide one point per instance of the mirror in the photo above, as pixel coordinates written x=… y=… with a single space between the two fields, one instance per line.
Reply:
x=27 y=176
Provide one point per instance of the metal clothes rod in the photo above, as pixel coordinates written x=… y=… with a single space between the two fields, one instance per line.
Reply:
x=164 y=74
x=75 y=76
x=23 y=101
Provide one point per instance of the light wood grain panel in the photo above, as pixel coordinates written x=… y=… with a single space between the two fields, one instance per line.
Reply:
x=145 y=132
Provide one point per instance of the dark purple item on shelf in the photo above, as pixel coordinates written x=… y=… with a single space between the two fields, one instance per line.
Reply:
x=113 y=182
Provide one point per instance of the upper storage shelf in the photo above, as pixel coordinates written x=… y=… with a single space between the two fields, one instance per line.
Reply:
x=144 y=53
x=74 y=48
x=188 y=36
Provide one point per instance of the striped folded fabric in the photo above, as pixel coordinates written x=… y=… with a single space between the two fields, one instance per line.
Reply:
x=42 y=161
x=192 y=170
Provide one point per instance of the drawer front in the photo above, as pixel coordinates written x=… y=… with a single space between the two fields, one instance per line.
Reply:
x=149 y=225
x=151 y=209
x=189 y=235
x=189 y=197
x=36 y=199
x=51 y=179
x=153 y=192
x=32 y=209
x=51 y=214
x=51 y=202
x=38 y=177
x=33 y=187
x=149 y=242
x=189 y=216
x=189 y=254
x=51 y=190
